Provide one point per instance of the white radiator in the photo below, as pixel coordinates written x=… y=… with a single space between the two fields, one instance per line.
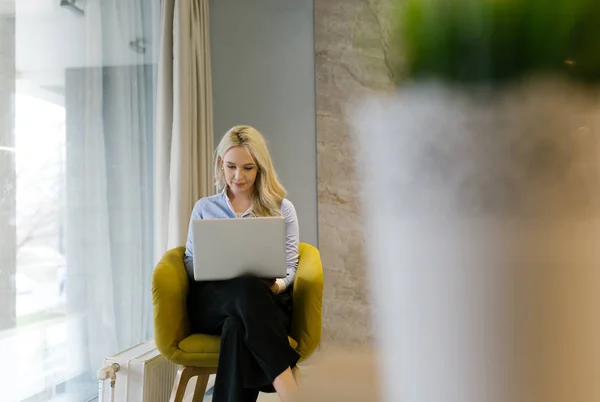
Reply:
x=144 y=376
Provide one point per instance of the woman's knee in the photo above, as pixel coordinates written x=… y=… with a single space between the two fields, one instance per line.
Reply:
x=233 y=323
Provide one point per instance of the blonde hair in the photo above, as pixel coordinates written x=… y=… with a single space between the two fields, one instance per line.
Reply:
x=268 y=192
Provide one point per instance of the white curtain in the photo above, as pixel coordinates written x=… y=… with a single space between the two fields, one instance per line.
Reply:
x=109 y=174
x=89 y=277
x=184 y=125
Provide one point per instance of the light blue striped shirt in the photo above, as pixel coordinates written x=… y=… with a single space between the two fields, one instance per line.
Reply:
x=219 y=207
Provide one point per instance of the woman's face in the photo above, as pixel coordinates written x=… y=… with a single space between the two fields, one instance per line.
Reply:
x=240 y=170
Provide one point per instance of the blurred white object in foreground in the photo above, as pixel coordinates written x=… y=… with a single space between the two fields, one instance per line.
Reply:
x=482 y=211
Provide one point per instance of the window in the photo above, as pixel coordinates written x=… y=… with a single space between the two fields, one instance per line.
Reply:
x=76 y=191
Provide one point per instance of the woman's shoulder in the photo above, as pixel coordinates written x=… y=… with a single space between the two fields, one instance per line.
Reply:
x=287 y=207
x=285 y=203
x=210 y=200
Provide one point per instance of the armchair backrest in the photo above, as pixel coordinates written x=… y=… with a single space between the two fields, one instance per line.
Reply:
x=170 y=287
x=307 y=316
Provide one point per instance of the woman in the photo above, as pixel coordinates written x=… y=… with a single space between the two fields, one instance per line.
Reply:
x=251 y=315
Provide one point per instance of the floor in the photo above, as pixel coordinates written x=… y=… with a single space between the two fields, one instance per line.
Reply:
x=346 y=375
x=304 y=368
x=261 y=398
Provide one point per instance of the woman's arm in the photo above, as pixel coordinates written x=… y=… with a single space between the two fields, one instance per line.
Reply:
x=189 y=245
x=292 y=241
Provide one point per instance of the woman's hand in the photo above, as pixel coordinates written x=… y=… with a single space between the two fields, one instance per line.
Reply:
x=272 y=284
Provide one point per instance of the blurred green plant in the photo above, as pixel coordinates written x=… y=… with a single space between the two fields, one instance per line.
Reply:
x=495 y=41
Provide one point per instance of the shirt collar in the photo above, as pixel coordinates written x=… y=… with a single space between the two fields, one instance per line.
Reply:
x=248 y=212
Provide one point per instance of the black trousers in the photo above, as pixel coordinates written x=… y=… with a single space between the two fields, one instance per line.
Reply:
x=253 y=324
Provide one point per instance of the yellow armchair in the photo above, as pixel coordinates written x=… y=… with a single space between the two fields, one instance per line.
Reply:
x=198 y=354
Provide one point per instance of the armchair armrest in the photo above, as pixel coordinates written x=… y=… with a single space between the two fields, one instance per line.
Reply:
x=169 y=294
x=307 y=301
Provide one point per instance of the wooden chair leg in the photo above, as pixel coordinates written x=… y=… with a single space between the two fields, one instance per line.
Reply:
x=184 y=374
x=200 y=390
x=181 y=381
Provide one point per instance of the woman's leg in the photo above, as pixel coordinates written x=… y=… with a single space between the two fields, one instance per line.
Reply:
x=205 y=302
x=254 y=345
x=233 y=358
x=266 y=332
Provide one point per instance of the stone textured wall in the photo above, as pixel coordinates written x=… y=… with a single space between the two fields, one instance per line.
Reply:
x=352 y=61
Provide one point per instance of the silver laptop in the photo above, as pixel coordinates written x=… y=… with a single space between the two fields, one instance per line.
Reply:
x=227 y=248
